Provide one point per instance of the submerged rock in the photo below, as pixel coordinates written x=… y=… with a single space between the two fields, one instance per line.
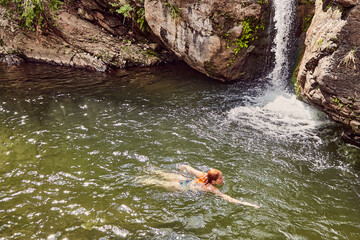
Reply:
x=11 y=59
x=225 y=40
x=329 y=71
x=351 y=138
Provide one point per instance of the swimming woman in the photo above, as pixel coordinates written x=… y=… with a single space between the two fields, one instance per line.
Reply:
x=204 y=182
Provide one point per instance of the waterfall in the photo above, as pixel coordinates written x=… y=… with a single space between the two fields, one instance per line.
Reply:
x=277 y=112
x=284 y=11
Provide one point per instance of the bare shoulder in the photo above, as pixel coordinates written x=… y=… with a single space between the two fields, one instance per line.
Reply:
x=212 y=189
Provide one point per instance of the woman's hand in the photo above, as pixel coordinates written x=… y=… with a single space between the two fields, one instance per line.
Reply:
x=192 y=170
x=183 y=167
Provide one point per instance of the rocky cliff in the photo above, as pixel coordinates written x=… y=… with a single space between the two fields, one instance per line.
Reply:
x=86 y=34
x=226 y=40
x=329 y=72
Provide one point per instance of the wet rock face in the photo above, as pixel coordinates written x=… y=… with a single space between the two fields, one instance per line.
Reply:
x=329 y=73
x=204 y=33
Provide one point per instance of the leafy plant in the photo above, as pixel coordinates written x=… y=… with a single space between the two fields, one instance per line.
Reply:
x=141 y=18
x=174 y=11
x=336 y=100
x=328 y=7
x=307 y=22
x=248 y=34
x=132 y=12
x=261 y=2
x=33 y=13
x=123 y=9
x=320 y=42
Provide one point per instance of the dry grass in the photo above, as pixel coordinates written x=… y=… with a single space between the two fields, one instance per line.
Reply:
x=350 y=59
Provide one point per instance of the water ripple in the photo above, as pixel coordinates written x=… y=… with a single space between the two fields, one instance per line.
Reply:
x=73 y=146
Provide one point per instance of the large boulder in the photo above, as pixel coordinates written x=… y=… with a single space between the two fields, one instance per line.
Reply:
x=226 y=40
x=329 y=72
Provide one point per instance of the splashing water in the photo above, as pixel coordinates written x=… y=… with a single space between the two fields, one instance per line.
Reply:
x=277 y=112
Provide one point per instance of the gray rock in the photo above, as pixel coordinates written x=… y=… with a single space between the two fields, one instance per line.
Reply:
x=12 y=60
x=203 y=33
x=329 y=73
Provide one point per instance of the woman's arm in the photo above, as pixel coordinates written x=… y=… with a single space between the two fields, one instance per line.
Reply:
x=228 y=198
x=192 y=170
x=233 y=200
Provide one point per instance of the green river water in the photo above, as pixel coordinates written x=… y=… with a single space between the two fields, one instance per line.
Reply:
x=73 y=144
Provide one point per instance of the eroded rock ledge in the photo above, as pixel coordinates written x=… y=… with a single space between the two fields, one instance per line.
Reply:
x=329 y=72
x=87 y=36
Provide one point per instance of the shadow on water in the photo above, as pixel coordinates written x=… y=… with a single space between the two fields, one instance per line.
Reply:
x=52 y=80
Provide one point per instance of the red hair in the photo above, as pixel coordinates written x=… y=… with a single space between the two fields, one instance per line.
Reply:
x=211 y=175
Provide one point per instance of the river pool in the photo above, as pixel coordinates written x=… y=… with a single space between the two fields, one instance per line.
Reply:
x=74 y=142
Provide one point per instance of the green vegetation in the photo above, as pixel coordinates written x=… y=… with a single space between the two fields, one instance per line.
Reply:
x=335 y=8
x=261 y=2
x=294 y=82
x=123 y=9
x=104 y=55
x=328 y=6
x=307 y=22
x=151 y=53
x=336 y=100
x=320 y=42
x=309 y=2
x=249 y=32
x=33 y=14
x=141 y=18
x=174 y=10
x=349 y=106
x=130 y=11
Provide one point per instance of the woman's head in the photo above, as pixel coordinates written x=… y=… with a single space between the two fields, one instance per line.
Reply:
x=214 y=177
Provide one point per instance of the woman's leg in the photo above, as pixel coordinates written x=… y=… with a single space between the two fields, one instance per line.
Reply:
x=150 y=181
x=168 y=176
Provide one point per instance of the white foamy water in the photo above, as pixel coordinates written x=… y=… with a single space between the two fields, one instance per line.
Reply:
x=279 y=114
